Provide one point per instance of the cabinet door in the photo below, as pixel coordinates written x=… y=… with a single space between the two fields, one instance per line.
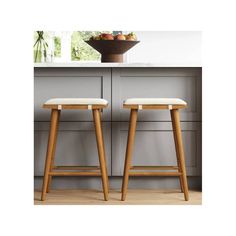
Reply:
x=184 y=83
x=76 y=145
x=154 y=145
x=71 y=83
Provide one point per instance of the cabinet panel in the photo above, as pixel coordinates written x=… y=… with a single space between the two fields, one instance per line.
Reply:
x=154 y=145
x=61 y=83
x=76 y=145
x=161 y=82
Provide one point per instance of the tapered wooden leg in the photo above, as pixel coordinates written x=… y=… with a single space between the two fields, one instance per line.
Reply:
x=129 y=151
x=53 y=153
x=177 y=152
x=180 y=149
x=101 y=151
x=50 y=151
x=105 y=158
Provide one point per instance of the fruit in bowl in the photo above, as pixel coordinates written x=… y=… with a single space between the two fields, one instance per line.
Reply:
x=107 y=37
x=131 y=36
x=120 y=37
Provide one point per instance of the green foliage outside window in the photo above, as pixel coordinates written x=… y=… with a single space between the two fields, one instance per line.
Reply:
x=81 y=51
x=57 y=47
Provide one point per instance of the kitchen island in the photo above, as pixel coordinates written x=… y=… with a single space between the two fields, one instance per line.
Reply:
x=154 y=144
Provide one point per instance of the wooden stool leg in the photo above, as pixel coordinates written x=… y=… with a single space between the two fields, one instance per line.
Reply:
x=101 y=151
x=49 y=156
x=129 y=150
x=108 y=187
x=180 y=149
x=53 y=153
x=177 y=152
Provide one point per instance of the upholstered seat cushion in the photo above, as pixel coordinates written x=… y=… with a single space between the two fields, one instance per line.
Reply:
x=76 y=101
x=154 y=101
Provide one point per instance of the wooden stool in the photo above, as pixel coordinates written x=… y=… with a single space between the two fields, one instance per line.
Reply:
x=172 y=104
x=56 y=105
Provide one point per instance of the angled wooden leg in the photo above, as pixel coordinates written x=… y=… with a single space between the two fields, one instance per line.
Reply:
x=129 y=151
x=105 y=158
x=180 y=149
x=101 y=151
x=49 y=156
x=177 y=152
x=53 y=153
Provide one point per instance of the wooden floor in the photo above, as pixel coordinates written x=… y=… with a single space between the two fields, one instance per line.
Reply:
x=134 y=197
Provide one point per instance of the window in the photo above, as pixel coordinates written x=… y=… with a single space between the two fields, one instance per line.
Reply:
x=66 y=46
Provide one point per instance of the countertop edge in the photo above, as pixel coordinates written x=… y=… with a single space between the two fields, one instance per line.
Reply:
x=111 y=65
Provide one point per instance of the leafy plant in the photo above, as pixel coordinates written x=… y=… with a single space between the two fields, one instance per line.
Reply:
x=39 y=46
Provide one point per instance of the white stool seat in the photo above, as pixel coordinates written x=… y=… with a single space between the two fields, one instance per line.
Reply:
x=154 y=101
x=76 y=101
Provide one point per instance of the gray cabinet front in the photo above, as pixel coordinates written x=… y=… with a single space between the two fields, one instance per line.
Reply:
x=76 y=144
x=154 y=144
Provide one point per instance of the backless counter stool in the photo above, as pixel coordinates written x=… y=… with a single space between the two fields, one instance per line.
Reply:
x=56 y=105
x=172 y=104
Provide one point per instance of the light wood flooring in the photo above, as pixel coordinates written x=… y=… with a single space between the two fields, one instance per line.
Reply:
x=134 y=197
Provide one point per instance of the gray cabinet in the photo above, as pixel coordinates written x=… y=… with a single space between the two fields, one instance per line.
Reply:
x=76 y=138
x=154 y=143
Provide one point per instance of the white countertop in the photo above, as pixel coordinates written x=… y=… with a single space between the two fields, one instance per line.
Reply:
x=99 y=64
